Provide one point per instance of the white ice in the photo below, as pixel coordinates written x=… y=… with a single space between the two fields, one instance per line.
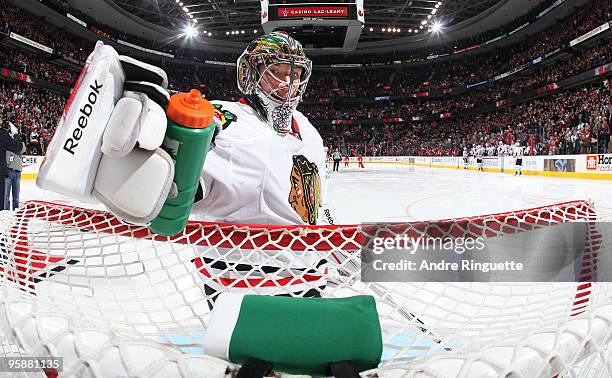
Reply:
x=385 y=193
x=406 y=193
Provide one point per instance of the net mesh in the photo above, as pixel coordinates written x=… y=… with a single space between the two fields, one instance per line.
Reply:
x=115 y=300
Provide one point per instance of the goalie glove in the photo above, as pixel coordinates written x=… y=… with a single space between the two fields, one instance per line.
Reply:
x=106 y=146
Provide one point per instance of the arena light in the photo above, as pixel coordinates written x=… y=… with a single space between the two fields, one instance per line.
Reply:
x=209 y=34
x=436 y=27
x=423 y=23
x=191 y=31
x=371 y=29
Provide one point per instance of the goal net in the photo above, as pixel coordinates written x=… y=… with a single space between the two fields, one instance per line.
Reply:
x=115 y=300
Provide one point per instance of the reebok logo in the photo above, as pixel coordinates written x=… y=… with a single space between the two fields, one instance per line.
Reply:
x=330 y=220
x=72 y=143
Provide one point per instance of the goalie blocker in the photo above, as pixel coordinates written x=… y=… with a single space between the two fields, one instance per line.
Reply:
x=106 y=146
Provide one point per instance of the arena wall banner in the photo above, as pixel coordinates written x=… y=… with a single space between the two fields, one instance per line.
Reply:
x=5 y=72
x=492 y=162
x=31 y=43
x=594 y=32
x=30 y=166
x=600 y=163
x=150 y=51
x=560 y=165
x=591 y=166
x=77 y=20
x=519 y=28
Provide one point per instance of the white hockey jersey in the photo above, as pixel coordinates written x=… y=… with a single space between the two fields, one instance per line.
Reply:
x=491 y=150
x=480 y=152
x=253 y=175
x=518 y=151
x=502 y=150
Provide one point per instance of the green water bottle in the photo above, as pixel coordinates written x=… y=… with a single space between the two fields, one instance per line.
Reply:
x=188 y=137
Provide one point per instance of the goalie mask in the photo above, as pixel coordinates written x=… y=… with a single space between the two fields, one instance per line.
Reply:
x=273 y=72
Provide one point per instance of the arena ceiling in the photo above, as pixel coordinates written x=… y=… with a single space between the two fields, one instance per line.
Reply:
x=222 y=17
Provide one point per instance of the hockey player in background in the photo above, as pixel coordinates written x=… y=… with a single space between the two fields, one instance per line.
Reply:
x=480 y=151
x=337 y=158
x=327 y=161
x=517 y=153
x=466 y=158
x=501 y=149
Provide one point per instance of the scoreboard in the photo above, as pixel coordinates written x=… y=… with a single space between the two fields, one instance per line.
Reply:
x=311 y=12
x=335 y=24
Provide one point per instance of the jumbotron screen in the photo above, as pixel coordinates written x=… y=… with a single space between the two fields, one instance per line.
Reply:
x=317 y=24
x=312 y=12
x=288 y=9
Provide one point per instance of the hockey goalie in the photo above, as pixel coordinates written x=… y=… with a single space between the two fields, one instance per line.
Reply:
x=266 y=164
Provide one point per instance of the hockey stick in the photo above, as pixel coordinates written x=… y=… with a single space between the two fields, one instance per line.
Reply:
x=379 y=291
x=376 y=288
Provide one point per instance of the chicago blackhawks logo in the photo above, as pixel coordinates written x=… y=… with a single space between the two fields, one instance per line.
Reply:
x=305 y=194
x=226 y=117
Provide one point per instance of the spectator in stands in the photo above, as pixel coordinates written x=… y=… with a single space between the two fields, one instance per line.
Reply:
x=9 y=141
x=12 y=183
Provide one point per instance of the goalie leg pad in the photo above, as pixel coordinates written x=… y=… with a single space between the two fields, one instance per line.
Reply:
x=297 y=335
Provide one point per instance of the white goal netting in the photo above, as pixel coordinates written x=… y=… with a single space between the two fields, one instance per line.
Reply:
x=115 y=300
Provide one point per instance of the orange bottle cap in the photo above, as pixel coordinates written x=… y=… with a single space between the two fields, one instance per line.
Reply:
x=190 y=110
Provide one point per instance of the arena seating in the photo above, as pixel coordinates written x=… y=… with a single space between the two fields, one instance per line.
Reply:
x=568 y=122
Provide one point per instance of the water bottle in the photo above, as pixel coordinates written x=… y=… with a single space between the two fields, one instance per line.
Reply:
x=188 y=137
